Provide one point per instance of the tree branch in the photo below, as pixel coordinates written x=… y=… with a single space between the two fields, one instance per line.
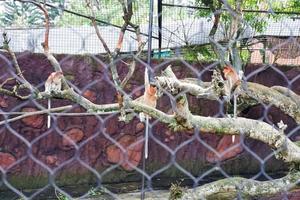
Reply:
x=28 y=114
x=94 y=23
x=254 y=129
x=229 y=188
x=55 y=64
x=289 y=93
x=272 y=96
x=19 y=73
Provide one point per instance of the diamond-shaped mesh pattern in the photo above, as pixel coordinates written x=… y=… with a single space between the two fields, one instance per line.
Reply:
x=96 y=154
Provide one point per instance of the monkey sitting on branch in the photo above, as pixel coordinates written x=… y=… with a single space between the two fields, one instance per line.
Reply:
x=232 y=81
x=53 y=84
x=149 y=98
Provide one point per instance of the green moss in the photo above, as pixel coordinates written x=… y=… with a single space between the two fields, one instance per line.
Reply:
x=28 y=182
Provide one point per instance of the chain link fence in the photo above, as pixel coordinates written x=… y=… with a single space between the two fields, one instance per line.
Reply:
x=96 y=146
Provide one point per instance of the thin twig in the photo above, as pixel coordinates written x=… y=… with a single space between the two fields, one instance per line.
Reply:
x=35 y=113
x=94 y=23
x=55 y=64
x=16 y=64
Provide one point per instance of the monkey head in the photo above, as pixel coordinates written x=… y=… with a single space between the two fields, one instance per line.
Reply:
x=152 y=89
x=227 y=69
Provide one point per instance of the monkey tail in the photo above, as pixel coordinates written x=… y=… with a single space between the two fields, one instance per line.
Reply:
x=234 y=111
x=142 y=117
x=233 y=139
x=147 y=137
x=49 y=117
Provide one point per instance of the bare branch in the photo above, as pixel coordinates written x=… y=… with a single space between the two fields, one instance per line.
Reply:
x=132 y=65
x=261 y=93
x=287 y=92
x=55 y=64
x=94 y=23
x=16 y=65
x=100 y=37
x=35 y=113
x=127 y=14
x=174 y=86
x=181 y=109
x=6 y=81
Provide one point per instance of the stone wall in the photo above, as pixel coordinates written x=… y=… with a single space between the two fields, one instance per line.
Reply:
x=96 y=135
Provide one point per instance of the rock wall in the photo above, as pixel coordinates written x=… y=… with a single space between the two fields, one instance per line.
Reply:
x=95 y=136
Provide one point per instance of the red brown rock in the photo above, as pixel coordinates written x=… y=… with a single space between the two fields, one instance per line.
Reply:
x=74 y=134
x=168 y=133
x=172 y=137
x=34 y=121
x=223 y=149
x=6 y=160
x=132 y=154
x=139 y=127
x=51 y=160
x=90 y=95
x=111 y=127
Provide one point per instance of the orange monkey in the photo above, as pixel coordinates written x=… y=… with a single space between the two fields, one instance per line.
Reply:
x=150 y=96
x=53 y=83
x=150 y=99
x=233 y=80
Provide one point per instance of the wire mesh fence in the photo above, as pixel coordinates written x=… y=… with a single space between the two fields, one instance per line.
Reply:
x=222 y=100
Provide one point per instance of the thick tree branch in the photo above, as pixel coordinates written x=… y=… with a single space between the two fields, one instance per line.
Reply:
x=175 y=86
x=269 y=96
x=289 y=93
x=250 y=93
x=254 y=129
x=229 y=188
x=181 y=108
x=287 y=150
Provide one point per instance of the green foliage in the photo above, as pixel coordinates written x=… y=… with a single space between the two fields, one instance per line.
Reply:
x=111 y=11
x=61 y=196
x=26 y=14
x=258 y=21
x=176 y=191
x=95 y=192
x=199 y=53
x=245 y=55
x=107 y=10
x=80 y=7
